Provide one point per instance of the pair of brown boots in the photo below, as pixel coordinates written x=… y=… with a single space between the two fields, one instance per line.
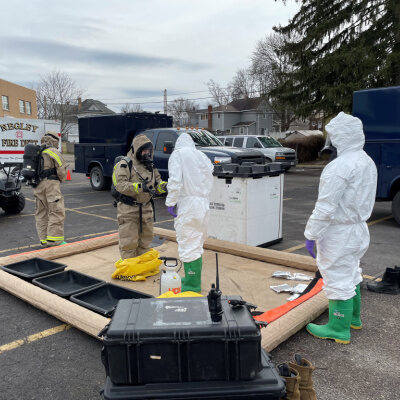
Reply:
x=297 y=375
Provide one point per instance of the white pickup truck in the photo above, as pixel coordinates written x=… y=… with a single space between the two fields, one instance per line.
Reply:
x=271 y=148
x=15 y=134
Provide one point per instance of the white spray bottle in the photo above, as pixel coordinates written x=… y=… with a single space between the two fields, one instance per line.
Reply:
x=170 y=280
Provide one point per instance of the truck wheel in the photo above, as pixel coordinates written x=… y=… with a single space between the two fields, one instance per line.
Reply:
x=97 y=180
x=15 y=204
x=396 y=207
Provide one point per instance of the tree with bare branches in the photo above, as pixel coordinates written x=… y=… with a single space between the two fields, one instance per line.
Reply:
x=179 y=110
x=243 y=85
x=269 y=66
x=131 y=108
x=56 y=94
x=221 y=96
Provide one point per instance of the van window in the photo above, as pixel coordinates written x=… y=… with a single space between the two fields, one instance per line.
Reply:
x=238 y=142
x=165 y=137
x=252 y=142
x=228 y=141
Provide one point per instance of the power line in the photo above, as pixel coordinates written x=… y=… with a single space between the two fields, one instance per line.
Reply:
x=150 y=97
x=158 y=102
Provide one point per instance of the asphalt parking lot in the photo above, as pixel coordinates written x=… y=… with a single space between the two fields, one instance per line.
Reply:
x=41 y=358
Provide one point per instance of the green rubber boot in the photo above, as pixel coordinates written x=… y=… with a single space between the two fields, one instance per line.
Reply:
x=338 y=327
x=192 y=280
x=356 y=320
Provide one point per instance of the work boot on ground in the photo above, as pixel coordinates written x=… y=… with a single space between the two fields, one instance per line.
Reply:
x=305 y=370
x=390 y=283
x=292 y=380
x=356 y=318
x=192 y=280
x=43 y=244
x=338 y=327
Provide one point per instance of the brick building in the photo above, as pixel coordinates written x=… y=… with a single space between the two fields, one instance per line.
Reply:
x=17 y=101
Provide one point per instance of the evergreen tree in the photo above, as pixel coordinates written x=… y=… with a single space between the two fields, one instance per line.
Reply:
x=343 y=45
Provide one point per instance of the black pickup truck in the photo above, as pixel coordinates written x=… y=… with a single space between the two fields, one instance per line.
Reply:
x=103 y=138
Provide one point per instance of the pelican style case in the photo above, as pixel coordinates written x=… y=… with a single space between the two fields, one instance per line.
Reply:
x=173 y=340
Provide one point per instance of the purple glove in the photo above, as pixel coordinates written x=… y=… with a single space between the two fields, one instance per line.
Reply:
x=310 y=247
x=171 y=210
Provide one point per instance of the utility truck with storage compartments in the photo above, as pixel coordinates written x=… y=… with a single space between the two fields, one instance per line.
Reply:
x=103 y=138
x=15 y=134
x=379 y=111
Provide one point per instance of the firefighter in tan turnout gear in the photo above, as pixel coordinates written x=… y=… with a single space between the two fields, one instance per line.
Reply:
x=50 y=211
x=136 y=181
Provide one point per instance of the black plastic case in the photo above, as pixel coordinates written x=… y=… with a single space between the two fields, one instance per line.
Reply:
x=267 y=385
x=174 y=340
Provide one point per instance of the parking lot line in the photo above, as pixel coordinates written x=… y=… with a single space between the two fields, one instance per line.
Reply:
x=376 y=221
x=294 y=248
x=380 y=220
x=94 y=205
x=92 y=215
x=33 y=338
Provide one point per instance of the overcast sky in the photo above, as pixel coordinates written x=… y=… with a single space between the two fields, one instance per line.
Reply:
x=129 y=50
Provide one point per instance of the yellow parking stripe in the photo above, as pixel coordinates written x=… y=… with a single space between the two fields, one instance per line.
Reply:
x=380 y=220
x=33 y=338
x=294 y=248
x=91 y=215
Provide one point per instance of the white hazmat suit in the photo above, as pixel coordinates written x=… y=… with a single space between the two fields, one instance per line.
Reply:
x=346 y=198
x=189 y=187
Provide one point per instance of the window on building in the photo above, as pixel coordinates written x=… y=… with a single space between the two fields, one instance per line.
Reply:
x=218 y=115
x=241 y=131
x=28 y=107
x=21 y=106
x=6 y=105
x=238 y=142
x=262 y=131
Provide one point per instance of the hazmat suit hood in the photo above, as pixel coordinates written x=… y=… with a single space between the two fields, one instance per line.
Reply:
x=50 y=139
x=137 y=145
x=184 y=141
x=346 y=133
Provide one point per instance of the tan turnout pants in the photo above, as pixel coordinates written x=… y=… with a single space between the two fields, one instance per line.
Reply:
x=50 y=212
x=132 y=242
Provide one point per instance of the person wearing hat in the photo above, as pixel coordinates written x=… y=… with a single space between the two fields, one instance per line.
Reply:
x=50 y=211
x=137 y=181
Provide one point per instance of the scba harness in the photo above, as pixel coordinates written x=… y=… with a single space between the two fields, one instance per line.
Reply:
x=33 y=170
x=128 y=200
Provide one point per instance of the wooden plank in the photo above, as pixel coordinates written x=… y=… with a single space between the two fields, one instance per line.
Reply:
x=255 y=253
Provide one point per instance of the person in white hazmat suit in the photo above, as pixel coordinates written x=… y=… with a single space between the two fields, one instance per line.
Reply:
x=338 y=226
x=189 y=187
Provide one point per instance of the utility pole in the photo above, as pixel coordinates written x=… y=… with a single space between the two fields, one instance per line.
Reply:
x=165 y=101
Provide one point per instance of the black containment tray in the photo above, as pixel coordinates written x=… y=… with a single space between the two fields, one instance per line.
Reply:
x=174 y=340
x=67 y=283
x=267 y=385
x=103 y=299
x=33 y=268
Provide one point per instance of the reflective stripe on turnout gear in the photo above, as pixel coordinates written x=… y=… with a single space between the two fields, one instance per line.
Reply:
x=53 y=155
x=135 y=187
x=160 y=187
x=54 y=238
x=43 y=241
x=114 y=178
